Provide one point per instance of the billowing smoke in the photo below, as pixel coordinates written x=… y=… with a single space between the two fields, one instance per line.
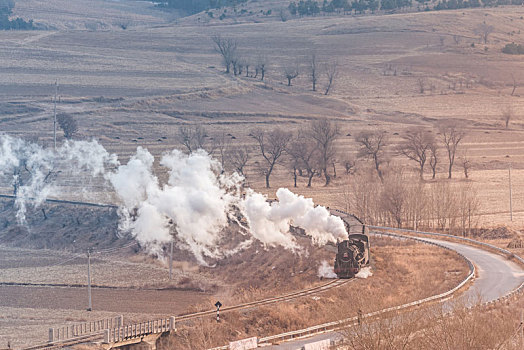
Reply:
x=31 y=170
x=192 y=207
x=325 y=270
x=270 y=222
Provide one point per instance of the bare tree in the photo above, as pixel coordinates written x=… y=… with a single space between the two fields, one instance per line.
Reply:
x=393 y=199
x=272 y=146
x=192 y=137
x=247 y=64
x=416 y=146
x=433 y=159
x=291 y=72
x=507 y=114
x=515 y=84
x=466 y=164
x=305 y=153
x=484 y=30
x=372 y=146
x=331 y=74
x=469 y=207
x=313 y=70
x=261 y=67
x=452 y=134
x=325 y=133
x=222 y=145
x=227 y=47
x=68 y=124
x=238 y=158
x=421 y=83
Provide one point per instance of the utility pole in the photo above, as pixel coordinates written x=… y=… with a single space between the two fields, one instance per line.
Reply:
x=510 y=196
x=54 y=119
x=171 y=261
x=90 y=305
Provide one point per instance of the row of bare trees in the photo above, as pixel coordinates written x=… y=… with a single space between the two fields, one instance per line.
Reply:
x=237 y=63
x=401 y=200
x=313 y=152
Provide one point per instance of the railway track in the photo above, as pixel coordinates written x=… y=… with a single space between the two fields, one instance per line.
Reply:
x=285 y=297
x=282 y=298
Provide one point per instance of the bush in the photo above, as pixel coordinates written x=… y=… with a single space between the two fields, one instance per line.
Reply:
x=513 y=49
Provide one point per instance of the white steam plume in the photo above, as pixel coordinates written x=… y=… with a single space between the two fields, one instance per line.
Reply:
x=270 y=222
x=31 y=170
x=193 y=207
x=326 y=271
x=196 y=200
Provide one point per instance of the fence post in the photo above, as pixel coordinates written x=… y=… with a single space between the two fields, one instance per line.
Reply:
x=51 y=335
x=106 y=336
x=172 y=324
x=120 y=321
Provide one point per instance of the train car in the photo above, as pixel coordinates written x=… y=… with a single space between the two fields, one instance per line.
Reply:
x=352 y=255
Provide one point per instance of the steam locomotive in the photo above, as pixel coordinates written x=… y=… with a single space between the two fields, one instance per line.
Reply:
x=353 y=253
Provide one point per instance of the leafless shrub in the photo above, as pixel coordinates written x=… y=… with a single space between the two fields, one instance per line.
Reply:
x=469 y=208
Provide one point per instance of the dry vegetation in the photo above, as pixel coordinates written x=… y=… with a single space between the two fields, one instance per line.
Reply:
x=397 y=73
x=436 y=328
x=402 y=273
x=381 y=60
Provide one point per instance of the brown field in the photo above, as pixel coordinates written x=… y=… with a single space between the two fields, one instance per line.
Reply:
x=136 y=87
x=402 y=272
x=130 y=87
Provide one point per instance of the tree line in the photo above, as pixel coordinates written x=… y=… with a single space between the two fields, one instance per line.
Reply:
x=312 y=7
x=380 y=191
x=195 y=6
x=238 y=64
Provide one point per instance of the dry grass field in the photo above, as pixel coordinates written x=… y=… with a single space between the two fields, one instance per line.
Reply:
x=402 y=273
x=136 y=86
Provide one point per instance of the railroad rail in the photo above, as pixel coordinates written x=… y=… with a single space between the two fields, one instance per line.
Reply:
x=99 y=336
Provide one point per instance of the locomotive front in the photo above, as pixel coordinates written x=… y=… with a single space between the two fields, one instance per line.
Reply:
x=352 y=254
